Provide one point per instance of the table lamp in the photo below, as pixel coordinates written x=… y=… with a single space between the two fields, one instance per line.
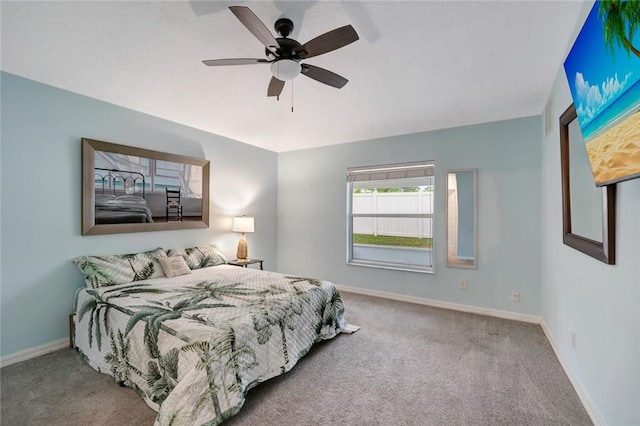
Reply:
x=242 y=224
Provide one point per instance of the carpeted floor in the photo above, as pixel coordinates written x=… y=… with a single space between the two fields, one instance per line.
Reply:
x=408 y=365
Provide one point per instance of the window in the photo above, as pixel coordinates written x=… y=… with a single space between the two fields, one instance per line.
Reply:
x=156 y=174
x=166 y=175
x=390 y=216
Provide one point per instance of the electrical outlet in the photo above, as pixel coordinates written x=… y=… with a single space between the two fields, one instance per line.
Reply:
x=573 y=339
x=463 y=284
x=515 y=296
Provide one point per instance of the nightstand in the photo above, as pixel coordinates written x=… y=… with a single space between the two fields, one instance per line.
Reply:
x=245 y=263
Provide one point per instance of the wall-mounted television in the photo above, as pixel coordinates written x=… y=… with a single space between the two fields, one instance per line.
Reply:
x=603 y=70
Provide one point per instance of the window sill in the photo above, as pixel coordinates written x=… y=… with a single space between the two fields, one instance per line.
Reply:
x=392 y=266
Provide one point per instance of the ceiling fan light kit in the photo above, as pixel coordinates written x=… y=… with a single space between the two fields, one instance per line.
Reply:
x=285 y=69
x=284 y=54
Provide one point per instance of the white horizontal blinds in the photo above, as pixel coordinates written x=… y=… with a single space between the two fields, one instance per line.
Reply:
x=391 y=171
x=405 y=182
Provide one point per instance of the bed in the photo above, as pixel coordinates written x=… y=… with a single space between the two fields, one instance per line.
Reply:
x=121 y=209
x=193 y=345
x=118 y=198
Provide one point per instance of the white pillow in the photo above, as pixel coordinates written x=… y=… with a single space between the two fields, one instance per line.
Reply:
x=174 y=266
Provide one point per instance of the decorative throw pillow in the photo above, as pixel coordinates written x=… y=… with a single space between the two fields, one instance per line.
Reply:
x=200 y=256
x=174 y=266
x=102 y=271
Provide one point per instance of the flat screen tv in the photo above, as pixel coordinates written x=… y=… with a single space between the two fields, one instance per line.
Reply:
x=603 y=70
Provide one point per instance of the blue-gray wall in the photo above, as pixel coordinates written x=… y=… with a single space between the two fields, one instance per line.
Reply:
x=41 y=200
x=312 y=213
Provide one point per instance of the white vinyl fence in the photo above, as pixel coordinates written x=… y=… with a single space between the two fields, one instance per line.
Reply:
x=393 y=203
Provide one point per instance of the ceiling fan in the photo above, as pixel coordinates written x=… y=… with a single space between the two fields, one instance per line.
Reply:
x=284 y=54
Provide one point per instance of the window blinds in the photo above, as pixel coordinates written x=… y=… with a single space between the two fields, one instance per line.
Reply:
x=416 y=169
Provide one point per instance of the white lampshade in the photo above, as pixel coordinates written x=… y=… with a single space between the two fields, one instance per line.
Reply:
x=242 y=224
x=285 y=69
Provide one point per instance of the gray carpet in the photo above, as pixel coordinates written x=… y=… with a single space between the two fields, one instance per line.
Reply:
x=408 y=365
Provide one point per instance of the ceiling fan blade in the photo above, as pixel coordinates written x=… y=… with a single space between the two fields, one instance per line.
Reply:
x=327 y=42
x=324 y=76
x=275 y=87
x=255 y=25
x=235 y=61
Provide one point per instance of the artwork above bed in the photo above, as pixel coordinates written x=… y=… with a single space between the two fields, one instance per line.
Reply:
x=126 y=189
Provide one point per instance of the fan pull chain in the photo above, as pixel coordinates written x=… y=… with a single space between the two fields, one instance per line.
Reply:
x=291 y=95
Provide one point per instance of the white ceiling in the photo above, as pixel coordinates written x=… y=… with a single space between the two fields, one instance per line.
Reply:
x=418 y=66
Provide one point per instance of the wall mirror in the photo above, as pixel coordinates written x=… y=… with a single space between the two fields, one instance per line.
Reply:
x=588 y=212
x=128 y=189
x=462 y=218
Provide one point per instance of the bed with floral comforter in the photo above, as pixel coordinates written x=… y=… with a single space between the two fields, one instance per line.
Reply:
x=193 y=345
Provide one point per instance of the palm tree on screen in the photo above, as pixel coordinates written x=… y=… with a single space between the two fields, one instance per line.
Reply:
x=620 y=22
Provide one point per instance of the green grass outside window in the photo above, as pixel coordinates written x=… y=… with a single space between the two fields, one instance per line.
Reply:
x=386 y=240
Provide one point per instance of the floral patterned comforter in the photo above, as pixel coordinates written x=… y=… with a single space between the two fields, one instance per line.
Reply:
x=193 y=345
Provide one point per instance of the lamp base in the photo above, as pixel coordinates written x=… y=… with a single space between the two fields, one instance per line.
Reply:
x=243 y=249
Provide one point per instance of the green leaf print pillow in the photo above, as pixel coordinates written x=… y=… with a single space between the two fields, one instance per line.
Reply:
x=200 y=256
x=102 y=271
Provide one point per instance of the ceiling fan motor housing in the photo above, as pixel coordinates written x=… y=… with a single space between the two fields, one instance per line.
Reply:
x=283 y=26
x=286 y=66
x=286 y=49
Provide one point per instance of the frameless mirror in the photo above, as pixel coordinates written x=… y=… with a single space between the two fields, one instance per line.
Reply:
x=128 y=189
x=588 y=212
x=462 y=218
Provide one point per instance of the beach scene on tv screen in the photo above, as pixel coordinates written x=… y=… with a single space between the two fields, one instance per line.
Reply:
x=603 y=71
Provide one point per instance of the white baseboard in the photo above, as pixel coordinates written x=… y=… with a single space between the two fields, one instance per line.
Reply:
x=446 y=305
x=588 y=404
x=34 y=352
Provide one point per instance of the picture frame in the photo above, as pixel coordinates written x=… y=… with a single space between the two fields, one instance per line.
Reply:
x=117 y=199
